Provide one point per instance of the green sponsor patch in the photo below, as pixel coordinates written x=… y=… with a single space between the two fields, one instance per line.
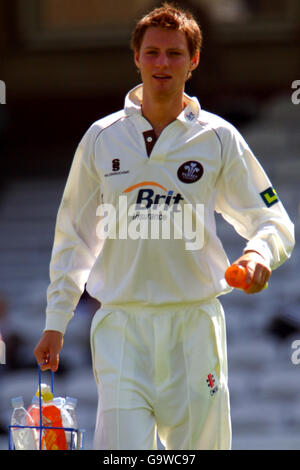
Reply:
x=269 y=196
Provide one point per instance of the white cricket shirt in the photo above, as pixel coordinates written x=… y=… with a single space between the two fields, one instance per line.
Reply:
x=198 y=159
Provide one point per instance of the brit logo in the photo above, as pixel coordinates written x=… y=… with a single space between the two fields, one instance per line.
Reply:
x=211 y=384
x=190 y=172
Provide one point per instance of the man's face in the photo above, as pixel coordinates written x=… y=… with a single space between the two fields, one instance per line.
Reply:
x=164 y=61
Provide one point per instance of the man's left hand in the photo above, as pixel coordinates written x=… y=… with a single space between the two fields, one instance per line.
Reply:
x=258 y=271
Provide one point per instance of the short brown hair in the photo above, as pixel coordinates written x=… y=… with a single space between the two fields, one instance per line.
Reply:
x=169 y=17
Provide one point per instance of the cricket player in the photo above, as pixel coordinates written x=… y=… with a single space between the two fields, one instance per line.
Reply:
x=159 y=339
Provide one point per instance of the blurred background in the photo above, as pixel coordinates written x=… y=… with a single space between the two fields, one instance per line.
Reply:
x=67 y=63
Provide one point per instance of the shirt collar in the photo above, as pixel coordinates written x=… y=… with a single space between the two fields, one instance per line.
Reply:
x=189 y=115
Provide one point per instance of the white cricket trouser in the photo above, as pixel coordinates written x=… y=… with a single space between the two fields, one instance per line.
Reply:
x=161 y=369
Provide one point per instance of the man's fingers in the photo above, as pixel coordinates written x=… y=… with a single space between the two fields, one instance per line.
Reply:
x=42 y=359
x=54 y=361
x=47 y=351
x=49 y=360
x=258 y=271
x=265 y=277
x=40 y=355
x=258 y=277
x=251 y=265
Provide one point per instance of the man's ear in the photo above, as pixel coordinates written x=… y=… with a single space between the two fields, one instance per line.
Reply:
x=195 y=61
x=137 y=58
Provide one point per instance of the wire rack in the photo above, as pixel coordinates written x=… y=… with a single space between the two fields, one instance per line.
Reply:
x=73 y=431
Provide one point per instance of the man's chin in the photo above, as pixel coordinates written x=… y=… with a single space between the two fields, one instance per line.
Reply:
x=162 y=90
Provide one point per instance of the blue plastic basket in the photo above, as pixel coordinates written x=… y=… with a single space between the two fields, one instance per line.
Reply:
x=73 y=431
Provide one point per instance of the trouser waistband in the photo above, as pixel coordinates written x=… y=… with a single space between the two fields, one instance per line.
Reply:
x=170 y=307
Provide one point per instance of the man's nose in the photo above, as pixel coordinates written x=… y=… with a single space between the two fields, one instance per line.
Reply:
x=162 y=60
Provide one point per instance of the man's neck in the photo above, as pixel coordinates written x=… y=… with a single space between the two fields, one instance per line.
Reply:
x=161 y=112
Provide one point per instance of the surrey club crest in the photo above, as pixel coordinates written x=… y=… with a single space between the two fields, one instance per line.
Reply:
x=190 y=172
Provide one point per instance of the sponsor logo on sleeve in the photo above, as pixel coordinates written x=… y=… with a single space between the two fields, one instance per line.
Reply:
x=269 y=196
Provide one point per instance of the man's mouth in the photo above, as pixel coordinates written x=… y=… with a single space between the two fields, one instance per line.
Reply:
x=162 y=76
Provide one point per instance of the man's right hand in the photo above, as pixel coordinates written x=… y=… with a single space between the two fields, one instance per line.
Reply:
x=47 y=350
